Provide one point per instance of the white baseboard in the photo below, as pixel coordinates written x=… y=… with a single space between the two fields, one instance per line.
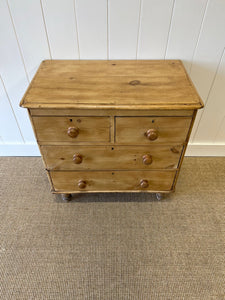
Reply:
x=205 y=150
x=31 y=149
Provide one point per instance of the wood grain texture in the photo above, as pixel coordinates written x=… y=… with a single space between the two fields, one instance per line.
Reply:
x=184 y=149
x=103 y=150
x=111 y=157
x=112 y=181
x=108 y=84
x=134 y=130
x=50 y=129
x=108 y=112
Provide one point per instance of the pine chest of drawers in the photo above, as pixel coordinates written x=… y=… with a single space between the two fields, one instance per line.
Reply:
x=112 y=126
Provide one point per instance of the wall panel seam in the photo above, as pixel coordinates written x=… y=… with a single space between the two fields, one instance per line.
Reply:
x=139 y=26
x=76 y=22
x=12 y=109
x=18 y=43
x=108 y=28
x=169 y=30
x=107 y=38
x=211 y=87
x=46 y=31
x=199 y=34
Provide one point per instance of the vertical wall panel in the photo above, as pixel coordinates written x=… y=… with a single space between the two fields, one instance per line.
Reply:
x=123 y=28
x=214 y=112
x=29 y=24
x=154 y=28
x=9 y=131
x=12 y=70
x=61 y=28
x=208 y=52
x=92 y=28
x=185 y=27
x=209 y=48
x=220 y=136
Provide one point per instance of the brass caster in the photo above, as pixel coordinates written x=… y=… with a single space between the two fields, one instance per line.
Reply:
x=66 y=197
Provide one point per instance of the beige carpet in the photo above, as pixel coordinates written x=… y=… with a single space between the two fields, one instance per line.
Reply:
x=112 y=246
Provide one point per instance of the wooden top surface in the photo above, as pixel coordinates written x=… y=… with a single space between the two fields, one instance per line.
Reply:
x=123 y=84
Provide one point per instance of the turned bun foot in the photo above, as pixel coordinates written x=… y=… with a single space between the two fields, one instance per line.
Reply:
x=159 y=196
x=66 y=197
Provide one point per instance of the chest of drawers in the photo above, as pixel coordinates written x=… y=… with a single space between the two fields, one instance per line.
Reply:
x=112 y=126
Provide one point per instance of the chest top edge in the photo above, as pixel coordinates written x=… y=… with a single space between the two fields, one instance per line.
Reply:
x=124 y=84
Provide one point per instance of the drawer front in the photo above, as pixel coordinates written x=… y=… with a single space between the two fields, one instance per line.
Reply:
x=72 y=129
x=149 y=130
x=112 y=181
x=111 y=157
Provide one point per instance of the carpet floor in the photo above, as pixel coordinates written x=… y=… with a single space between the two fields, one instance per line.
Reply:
x=112 y=246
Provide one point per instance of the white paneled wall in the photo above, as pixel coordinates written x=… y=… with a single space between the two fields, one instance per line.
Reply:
x=213 y=116
x=184 y=30
x=61 y=28
x=155 y=19
x=14 y=79
x=190 y=30
x=123 y=22
x=29 y=27
x=92 y=28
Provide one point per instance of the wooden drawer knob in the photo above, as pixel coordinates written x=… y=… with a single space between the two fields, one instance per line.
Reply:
x=73 y=132
x=151 y=134
x=82 y=184
x=144 y=183
x=147 y=159
x=77 y=158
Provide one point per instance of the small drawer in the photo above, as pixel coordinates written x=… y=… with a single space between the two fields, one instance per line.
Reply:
x=111 y=157
x=72 y=129
x=149 y=130
x=69 y=181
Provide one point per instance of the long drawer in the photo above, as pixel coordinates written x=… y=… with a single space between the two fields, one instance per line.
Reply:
x=111 y=157
x=72 y=181
x=72 y=129
x=148 y=130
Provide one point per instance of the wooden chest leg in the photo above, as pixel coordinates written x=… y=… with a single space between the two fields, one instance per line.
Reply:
x=66 y=197
x=159 y=196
